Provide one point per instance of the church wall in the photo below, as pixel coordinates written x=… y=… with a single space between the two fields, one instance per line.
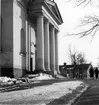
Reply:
x=20 y=17
x=0 y=36
x=21 y=21
x=7 y=38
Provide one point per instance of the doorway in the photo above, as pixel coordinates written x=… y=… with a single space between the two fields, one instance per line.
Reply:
x=31 y=64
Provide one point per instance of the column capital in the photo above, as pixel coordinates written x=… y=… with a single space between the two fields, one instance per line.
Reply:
x=46 y=20
x=57 y=31
x=39 y=15
x=52 y=26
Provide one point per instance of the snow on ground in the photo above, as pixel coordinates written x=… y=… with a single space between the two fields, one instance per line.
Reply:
x=29 y=78
x=4 y=79
x=41 y=94
x=44 y=77
x=40 y=77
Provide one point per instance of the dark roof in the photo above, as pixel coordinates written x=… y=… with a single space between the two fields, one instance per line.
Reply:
x=84 y=66
x=81 y=66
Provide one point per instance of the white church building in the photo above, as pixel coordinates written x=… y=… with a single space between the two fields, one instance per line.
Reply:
x=29 y=37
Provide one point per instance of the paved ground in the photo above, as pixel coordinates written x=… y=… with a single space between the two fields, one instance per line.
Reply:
x=90 y=97
x=51 y=94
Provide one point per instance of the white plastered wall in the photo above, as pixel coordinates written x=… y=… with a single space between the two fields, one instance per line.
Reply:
x=19 y=22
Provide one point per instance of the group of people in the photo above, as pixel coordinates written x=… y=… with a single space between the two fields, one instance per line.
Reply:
x=94 y=73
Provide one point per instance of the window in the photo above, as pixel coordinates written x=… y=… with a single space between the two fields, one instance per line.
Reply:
x=23 y=42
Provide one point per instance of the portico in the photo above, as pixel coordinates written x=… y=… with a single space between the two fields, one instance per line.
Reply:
x=48 y=19
x=47 y=48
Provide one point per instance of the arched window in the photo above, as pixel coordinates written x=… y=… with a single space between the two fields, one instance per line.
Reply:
x=1 y=23
x=23 y=44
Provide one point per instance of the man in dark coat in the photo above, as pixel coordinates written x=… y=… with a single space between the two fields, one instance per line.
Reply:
x=91 y=72
x=96 y=73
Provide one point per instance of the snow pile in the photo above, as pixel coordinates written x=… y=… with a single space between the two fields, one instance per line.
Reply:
x=5 y=79
x=29 y=78
x=44 y=77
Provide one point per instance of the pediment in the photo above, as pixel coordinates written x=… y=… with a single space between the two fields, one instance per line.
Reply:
x=53 y=6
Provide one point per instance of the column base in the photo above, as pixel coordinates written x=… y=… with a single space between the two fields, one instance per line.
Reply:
x=40 y=65
x=47 y=67
x=50 y=73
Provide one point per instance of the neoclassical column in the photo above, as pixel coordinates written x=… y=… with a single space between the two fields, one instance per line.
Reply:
x=56 y=52
x=40 y=43
x=46 y=46
x=52 y=49
x=28 y=46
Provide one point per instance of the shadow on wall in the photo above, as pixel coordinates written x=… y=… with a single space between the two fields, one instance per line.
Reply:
x=7 y=72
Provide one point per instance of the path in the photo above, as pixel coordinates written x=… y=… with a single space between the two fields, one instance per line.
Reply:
x=90 y=97
x=39 y=95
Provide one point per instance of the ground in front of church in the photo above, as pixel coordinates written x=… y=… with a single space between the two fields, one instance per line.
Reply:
x=55 y=93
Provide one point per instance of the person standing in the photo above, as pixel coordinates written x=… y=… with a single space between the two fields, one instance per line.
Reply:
x=91 y=72
x=96 y=73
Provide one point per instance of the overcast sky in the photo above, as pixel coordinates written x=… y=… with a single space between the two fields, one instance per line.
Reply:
x=71 y=16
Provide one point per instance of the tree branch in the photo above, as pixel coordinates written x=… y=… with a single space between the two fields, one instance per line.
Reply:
x=85 y=2
x=93 y=21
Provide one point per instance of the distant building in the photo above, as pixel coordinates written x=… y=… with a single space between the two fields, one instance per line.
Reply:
x=29 y=37
x=79 y=71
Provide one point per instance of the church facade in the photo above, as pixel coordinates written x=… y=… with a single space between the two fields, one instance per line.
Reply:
x=29 y=37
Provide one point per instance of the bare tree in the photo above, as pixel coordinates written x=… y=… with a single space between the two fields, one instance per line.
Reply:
x=72 y=55
x=81 y=58
x=76 y=57
x=85 y=2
